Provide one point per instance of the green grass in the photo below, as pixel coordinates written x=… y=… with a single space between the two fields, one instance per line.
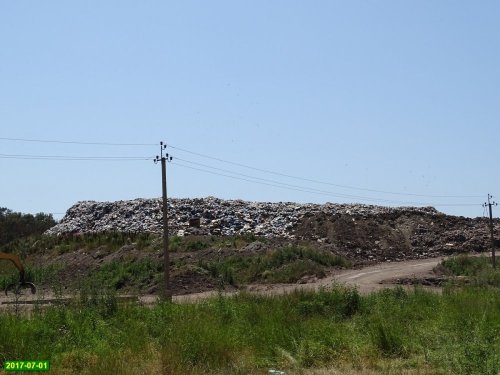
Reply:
x=477 y=270
x=195 y=243
x=119 y=274
x=283 y=265
x=464 y=265
x=110 y=241
x=37 y=274
x=453 y=333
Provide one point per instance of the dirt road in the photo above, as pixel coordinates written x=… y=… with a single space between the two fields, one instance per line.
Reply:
x=367 y=279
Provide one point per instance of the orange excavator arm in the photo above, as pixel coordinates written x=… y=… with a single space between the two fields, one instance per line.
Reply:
x=17 y=262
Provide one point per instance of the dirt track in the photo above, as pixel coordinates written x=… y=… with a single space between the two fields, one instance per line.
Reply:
x=367 y=279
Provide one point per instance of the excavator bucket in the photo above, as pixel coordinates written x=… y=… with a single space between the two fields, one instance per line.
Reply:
x=22 y=284
x=17 y=287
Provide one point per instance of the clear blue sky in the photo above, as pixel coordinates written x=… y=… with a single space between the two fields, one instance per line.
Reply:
x=394 y=96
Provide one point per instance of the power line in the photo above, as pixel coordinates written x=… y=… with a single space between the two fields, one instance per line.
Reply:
x=75 y=142
x=70 y=158
x=318 y=181
x=313 y=191
x=274 y=182
x=301 y=188
x=244 y=179
x=74 y=158
x=282 y=184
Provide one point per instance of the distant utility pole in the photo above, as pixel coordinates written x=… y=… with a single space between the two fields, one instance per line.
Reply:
x=166 y=292
x=489 y=205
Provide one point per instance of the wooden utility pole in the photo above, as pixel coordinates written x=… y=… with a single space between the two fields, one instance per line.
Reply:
x=490 y=204
x=166 y=292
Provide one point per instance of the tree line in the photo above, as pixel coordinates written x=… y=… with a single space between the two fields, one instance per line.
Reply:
x=15 y=225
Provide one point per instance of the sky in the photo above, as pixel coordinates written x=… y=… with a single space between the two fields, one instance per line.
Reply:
x=376 y=102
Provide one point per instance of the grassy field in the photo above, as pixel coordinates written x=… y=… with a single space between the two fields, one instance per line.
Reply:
x=389 y=332
x=337 y=331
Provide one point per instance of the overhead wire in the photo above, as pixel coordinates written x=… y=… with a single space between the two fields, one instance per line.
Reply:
x=75 y=142
x=252 y=177
x=74 y=158
x=318 y=181
x=241 y=178
x=272 y=183
x=302 y=188
x=263 y=180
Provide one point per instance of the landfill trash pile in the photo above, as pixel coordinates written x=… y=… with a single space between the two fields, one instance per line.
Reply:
x=213 y=216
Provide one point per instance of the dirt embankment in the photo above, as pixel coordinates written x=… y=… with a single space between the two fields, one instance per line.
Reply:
x=396 y=236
